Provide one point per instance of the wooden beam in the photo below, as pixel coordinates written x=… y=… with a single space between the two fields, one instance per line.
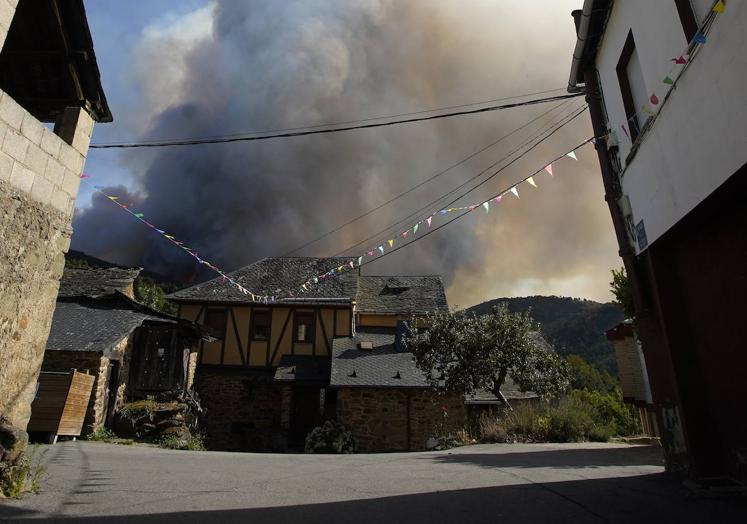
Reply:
x=66 y=45
x=280 y=338
x=238 y=338
x=324 y=331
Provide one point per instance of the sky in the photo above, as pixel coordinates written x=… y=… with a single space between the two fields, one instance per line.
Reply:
x=176 y=69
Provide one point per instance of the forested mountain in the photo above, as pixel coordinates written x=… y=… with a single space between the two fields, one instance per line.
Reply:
x=571 y=325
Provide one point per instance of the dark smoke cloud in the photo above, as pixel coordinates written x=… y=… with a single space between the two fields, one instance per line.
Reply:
x=265 y=65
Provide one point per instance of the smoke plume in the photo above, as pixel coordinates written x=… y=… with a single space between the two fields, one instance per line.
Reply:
x=238 y=66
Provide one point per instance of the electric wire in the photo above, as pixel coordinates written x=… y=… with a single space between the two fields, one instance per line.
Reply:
x=548 y=133
x=421 y=183
x=307 y=131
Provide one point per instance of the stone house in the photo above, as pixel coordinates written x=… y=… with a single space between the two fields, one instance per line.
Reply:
x=132 y=351
x=48 y=74
x=268 y=380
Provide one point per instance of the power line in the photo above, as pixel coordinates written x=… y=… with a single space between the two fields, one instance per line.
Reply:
x=433 y=230
x=558 y=125
x=419 y=184
x=290 y=134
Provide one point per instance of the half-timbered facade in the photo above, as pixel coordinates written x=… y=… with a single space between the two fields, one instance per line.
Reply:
x=265 y=379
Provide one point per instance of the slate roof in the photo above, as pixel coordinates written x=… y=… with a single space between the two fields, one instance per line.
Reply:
x=375 y=367
x=302 y=369
x=96 y=282
x=268 y=275
x=96 y=325
x=401 y=295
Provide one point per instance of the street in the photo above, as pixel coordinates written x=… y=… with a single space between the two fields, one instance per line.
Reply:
x=93 y=482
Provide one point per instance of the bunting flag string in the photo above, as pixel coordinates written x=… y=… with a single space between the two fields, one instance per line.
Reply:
x=371 y=253
x=679 y=64
x=254 y=297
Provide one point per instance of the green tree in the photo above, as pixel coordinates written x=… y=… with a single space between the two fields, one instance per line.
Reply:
x=466 y=353
x=586 y=376
x=152 y=295
x=620 y=287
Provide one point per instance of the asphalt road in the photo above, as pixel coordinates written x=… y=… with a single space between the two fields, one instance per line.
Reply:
x=90 y=483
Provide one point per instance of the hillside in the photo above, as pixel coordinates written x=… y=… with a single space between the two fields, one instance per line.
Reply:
x=571 y=325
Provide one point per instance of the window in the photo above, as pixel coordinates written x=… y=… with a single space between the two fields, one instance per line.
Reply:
x=687 y=18
x=215 y=319
x=260 y=325
x=632 y=87
x=304 y=328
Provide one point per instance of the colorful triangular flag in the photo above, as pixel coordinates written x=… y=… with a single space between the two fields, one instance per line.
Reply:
x=139 y=215
x=486 y=205
x=360 y=259
x=429 y=220
x=415 y=228
x=390 y=242
x=498 y=198
x=626 y=130
x=83 y=175
x=668 y=80
x=572 y=154
x=111 y=197
x=719 y=7
x=646 y=109
x=548 y=168
x=531 y=182
x=515 y=191
x=699 y=38
x=352 y=264
x=381 y=248
x=654 y=99
x=680 y=60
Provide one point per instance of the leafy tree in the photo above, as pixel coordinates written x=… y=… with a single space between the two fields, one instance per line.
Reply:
x=152 y=295
x=466 y=353
x=620 y=287
x=586 y=376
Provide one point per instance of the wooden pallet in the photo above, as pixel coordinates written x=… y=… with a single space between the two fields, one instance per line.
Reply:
x=61 y=403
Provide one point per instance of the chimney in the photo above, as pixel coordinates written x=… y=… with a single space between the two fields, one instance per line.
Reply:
x=576 y=14
x=403 y=331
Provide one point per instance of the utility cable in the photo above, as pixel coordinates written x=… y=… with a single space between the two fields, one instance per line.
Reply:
x=419 y=184
x=291 y=134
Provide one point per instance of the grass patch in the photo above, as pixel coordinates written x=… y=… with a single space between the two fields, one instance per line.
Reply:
x=107 y=435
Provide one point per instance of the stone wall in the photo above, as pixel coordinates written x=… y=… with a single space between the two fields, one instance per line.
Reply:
x=242 y=412
x=39 y=179
x=390 y=419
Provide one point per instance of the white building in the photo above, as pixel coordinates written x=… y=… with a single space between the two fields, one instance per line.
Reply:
x=666 y=82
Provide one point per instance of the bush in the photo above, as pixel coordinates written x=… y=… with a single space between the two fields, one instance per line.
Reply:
x=102 y=434
x=581 y=416
x=186 y=443
x=331 y=437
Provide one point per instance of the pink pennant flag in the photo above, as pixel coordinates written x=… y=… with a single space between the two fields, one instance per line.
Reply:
x=498 y=198
x=352 y=264
x=404 y=234
x=471 y=208
x=429 y=220
x=548 y=168
x=83 y=175
x=370 y=253
x=531 y=181
x=390 y=242
x=626 y=131
x=680 y=60
x=654 y=99
x=515 y=191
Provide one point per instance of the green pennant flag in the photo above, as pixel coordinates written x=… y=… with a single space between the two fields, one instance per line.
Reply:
x=668 y=81
x=139 y=215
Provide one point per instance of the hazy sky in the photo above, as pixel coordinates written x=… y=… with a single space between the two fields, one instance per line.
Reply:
x=193 y=68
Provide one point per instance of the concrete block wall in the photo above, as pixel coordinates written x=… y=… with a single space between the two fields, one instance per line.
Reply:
x=39 y=179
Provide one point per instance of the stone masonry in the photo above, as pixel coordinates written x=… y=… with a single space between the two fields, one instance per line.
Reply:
x=242 y=412
x=380 y=418
x=39 y=178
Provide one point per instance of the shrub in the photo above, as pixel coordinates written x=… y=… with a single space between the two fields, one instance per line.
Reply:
x=186 y=443
x=101 y=434
x=610 y=411
x=331 y=437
